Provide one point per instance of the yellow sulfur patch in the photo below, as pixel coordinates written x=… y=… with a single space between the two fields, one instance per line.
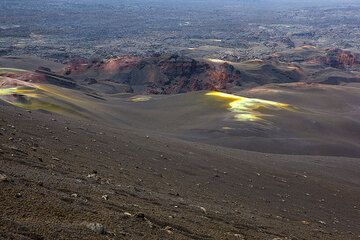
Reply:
x=40 y=97
x=11 y=70
x=248 y=109
x=214 y=60
x=140 y=98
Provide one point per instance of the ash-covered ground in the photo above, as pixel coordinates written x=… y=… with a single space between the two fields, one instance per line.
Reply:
x=179 y=119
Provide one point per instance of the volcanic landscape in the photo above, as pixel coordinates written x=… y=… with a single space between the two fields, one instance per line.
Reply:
x=203 y=137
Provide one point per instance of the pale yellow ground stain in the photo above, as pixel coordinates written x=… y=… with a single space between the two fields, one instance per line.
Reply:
x=140 y=98
x=248 y=109
x=11 y=70
x=47 y=97
x=33 y=96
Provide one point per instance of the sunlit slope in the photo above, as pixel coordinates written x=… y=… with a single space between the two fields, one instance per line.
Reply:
x=43 y=98
x=18 y=91
x=177 y=112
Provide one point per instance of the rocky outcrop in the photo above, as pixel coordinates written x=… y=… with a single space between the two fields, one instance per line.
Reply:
x=174 y=73
x=107 y=67
x=178 y=74
x=341 y=59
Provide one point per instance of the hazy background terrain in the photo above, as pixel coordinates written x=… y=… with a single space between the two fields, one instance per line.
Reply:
x=59 y=29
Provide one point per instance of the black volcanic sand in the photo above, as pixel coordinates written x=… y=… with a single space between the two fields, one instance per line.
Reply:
x=59 y=174
x=323 y=119
x=179 y=166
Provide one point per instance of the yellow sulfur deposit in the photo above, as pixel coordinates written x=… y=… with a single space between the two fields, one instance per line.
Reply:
x=248 y=109
x=39 y=97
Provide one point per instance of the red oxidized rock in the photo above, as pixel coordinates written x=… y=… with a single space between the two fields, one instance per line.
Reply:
x=338 y=58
